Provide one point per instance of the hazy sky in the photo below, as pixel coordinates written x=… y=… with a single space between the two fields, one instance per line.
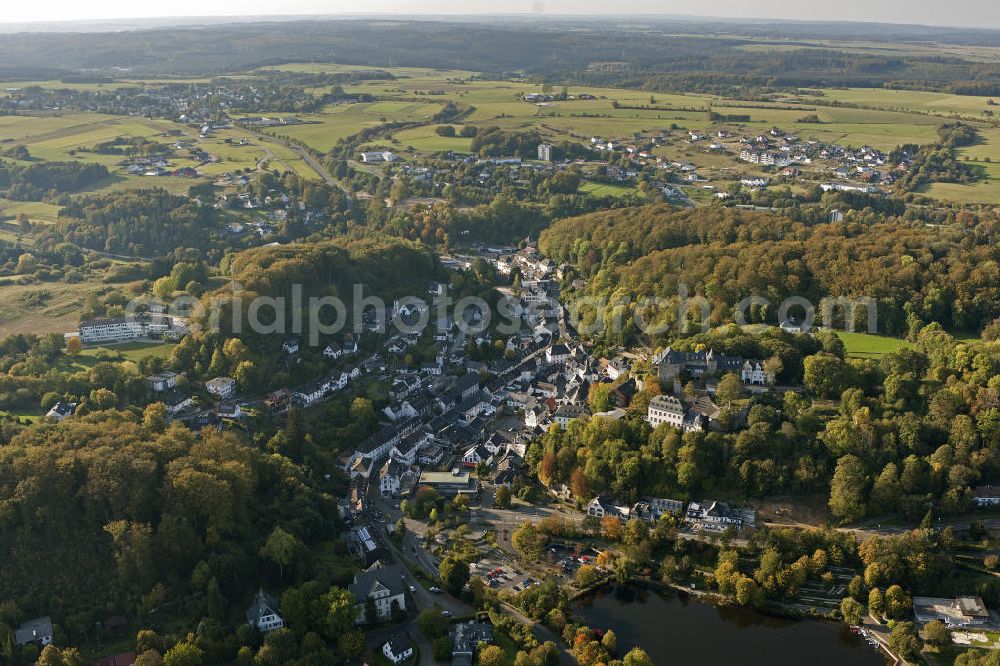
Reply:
x=973 y=13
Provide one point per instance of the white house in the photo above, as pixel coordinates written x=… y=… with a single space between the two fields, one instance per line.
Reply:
x=983 y=496
x=312 y=392
x=665 y=409
x=291 y=346
x=601 y=506
x=433 y=368
x=384 y=587
x=117 y=329
x=792 y=326
x=399 y=410
x=557 y=353
x=719 y=513
x=474 y=455
x=616 y=368
x=176 y=402
x=378 y=156
x=398 y=649
x=535 y=416
x=753 y=373
x=566 y=413
x=61 y=410
x=222 y=387
x=162 y=381
x=263 y=613
x=391 y=477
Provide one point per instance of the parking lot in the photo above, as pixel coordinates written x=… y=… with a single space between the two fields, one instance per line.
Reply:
x=570 y=561
x=501 y=573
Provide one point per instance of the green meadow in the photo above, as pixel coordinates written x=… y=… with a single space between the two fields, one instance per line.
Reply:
x=889 y=118
x=865 y=345
x=607 y=189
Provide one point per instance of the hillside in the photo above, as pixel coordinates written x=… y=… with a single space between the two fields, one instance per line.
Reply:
x=945 y=275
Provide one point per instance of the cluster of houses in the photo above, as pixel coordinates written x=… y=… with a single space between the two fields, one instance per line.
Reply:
x=160 y=168
x=703 y=515
x=272 y=208
x=432 y=417
x=865 y=167
x=865 y=164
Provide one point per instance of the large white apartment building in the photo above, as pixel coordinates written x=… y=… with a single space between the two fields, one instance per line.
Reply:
x=117 y=329
x=123 y=329
x=665 y=409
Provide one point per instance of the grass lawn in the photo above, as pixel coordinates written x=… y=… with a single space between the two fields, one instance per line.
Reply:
x=510 y=648
x=986 y=191
x=427 y=140
x=37 y=211
x=930 y=102
x=607 y=189
x=132 y=351
x=31 y=415
x=321 y=131
x=864 y=345
x=44 y=307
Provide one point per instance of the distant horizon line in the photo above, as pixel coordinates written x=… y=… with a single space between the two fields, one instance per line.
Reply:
x=95 y=24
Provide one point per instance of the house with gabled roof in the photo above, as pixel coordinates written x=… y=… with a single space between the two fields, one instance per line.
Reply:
x=602 y=506
x=672 y=363
x=398 y=649
x=61 y=410
x=38 y=631
x=263 y=612
x=474 y=455
x=568 y=412
x=392 y=476
x=624 y=392
x=383 y=587
x=466 y=637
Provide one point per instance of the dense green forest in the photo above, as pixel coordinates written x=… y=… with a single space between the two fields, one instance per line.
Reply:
x=35 y=182
x=915 y=273
x=115 y=512
x=136 y=222
x=916 y=428
x=665 y=56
